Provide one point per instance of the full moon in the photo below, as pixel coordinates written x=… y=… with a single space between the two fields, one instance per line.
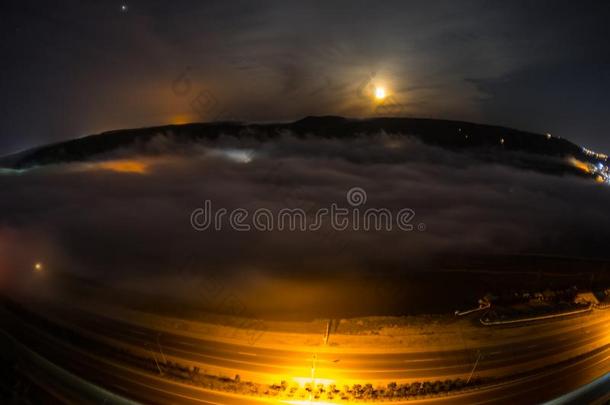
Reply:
x=379 y=93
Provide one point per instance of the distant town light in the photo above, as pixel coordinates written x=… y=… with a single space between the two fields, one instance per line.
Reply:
x=38 y=266
x=600 y=156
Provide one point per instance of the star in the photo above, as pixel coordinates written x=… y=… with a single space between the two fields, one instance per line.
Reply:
x=124 y=8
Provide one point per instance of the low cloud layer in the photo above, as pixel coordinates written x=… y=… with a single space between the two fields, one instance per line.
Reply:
x=127 y=218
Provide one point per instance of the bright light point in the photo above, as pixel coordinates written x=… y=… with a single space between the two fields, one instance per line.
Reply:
x=38 y=266
x=379 y=93
x=124 y=7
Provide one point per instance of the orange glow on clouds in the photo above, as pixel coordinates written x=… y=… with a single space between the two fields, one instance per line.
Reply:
x=124 y=166
x=181 y=119
x=580 y=165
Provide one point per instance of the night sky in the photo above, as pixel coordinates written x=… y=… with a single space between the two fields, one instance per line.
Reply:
x=71 y=68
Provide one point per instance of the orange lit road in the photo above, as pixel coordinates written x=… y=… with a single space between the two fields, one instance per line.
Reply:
x=556 y=343
x=268 y=364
